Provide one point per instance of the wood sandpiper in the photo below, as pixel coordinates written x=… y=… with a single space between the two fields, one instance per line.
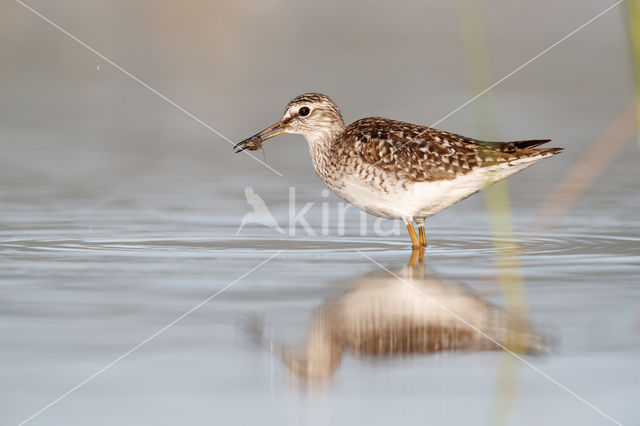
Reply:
x=393 y=169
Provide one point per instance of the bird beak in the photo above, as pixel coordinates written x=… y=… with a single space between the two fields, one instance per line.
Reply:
x=255 y=142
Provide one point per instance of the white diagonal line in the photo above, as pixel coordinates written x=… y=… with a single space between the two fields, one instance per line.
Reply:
x=527 y=63
x=503 y=78
x=501 y=346
x=145 y=341
x=133 y=77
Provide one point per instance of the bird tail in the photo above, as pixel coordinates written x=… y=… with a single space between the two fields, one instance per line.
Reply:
x=532 y=144
x=527 y=144
x=511 y=147
x=548 y=151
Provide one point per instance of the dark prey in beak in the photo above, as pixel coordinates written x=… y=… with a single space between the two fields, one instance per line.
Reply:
x=255 y=142
x=252 y=144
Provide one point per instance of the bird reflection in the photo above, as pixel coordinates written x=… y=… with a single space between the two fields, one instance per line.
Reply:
x=401 y=312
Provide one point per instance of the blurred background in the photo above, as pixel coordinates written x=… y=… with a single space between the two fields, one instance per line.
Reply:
x=118 y=211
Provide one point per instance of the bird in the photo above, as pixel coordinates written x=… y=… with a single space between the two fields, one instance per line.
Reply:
x=380 y=315
x=393 y=169
x=260 y=214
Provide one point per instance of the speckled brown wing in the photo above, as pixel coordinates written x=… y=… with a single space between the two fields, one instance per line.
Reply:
x=420 y=153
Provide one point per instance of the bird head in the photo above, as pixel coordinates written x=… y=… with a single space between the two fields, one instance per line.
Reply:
x=312 y=115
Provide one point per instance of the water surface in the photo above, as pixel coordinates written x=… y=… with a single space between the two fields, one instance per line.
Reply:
x=118 y=214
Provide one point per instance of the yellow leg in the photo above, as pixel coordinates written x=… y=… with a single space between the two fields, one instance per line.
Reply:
x=415 y=242
x=423 y=236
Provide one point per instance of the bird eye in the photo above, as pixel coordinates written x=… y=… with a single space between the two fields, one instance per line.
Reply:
x=304 y=111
